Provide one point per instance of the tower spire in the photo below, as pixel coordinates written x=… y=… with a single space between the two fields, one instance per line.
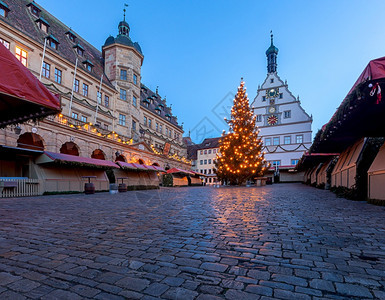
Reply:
x=124 y=11
x=271 y=54
x=124 y=28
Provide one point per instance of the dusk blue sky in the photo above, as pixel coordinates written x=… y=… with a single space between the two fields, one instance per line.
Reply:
x=197 y=51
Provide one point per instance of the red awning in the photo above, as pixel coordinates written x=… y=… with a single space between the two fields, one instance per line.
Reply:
x=22 y=95
x=52 y=157
x=176 y=170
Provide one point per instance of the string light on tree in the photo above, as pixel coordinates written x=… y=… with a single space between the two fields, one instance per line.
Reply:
x=240 y=157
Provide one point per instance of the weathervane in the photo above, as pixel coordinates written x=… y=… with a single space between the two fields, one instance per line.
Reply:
x=124 y=11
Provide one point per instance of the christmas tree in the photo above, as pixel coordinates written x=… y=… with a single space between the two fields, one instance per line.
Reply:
x=240 y=157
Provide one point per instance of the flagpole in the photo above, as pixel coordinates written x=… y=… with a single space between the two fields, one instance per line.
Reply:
x=97 y=100
x=73 y=86
x=42 y=59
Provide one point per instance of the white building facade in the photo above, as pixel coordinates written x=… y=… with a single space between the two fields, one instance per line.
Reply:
x=284 y=125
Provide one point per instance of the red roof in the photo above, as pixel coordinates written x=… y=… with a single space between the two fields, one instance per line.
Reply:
x=82 y=160
x=22 y=95
x=374 y=70
x=176 y=170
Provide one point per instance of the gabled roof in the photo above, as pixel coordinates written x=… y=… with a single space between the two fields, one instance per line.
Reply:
x=155 y=101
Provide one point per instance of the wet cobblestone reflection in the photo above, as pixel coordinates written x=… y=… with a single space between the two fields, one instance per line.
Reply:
x=285 y=241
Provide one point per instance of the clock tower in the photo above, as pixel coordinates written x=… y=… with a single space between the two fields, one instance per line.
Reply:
x=284 y=125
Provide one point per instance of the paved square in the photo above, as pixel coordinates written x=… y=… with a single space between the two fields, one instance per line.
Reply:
x=286 y=241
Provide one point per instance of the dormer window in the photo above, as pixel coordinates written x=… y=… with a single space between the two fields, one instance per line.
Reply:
x=43 y=24
x=79 y=49
x=161 y=105
x=146 y=103
x=71 y=35
x=34 y=9
x=53 y=42
x=158 y=110
x=88 y=65
x=3 y=9
x=168 y=117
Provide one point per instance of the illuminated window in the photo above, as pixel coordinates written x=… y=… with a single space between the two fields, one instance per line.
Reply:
x=46 y=68
x=58 y=75
x=85 y=90
x=5 y=43
x=21 y=55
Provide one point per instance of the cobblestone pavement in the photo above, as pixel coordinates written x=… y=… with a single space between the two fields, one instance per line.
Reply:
x=286 y=241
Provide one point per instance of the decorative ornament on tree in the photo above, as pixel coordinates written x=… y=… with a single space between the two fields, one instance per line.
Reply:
x=375 y=88
x=240 y=155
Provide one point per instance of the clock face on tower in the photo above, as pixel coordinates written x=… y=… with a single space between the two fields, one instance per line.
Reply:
x=272 y=120
x=272 y=110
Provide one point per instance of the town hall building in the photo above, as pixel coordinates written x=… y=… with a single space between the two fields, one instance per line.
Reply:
x=284 y=125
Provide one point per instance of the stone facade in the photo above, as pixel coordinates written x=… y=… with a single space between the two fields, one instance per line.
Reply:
x=72 y=68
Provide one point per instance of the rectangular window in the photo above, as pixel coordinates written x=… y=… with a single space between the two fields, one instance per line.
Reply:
x=299 y=139
x=161 y=128
x=83 y=119
x=99 y=97
x=209 y=173
x=280 y=96
x=259 y=118
x=276 y=163
x=134 y=102
x=53 y=44
x=205 y=151
x=122 y=120
x=294 y=162
x=214 y=151
x=21 y=55
x=276 y=141
x=105 y=126
x=205 y=161
x=271 y=80
x=106 y=101
x=145 y=121
x=46 y=68
x=3 y=12
x=43 y=27
x=201 y=161
x=201 y=152
x=74 y=115
x=133 y=125
x=85 y=90
x=267 y=141
x=123 y=94
x=263 y=98
x=5 y=43
x=76 y=86
x=157 y=126
x=123 y=74
x=149 y=123
x=287 y=114
x=287 y=140
x=135 y=79
x=58 y=75
x=209 y=161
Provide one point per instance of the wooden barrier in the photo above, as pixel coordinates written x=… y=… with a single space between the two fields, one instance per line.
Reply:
x=13 y=187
